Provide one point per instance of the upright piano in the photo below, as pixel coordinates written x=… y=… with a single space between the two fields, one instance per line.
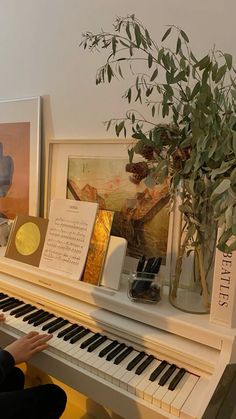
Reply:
x=141 y=361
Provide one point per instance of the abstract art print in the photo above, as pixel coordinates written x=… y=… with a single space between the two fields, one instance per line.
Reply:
x=19 y=157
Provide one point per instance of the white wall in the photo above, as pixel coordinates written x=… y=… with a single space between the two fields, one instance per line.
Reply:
x=40 y=54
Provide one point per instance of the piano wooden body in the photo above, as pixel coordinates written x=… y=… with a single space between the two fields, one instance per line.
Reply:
x=188 y=341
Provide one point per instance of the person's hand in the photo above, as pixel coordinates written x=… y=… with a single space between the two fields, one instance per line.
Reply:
x=2 y=317
x=27 y=346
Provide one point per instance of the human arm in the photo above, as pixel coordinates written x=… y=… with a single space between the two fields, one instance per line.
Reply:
x=21 y=350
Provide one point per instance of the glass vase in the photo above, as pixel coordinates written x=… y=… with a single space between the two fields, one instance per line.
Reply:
x=191 y=273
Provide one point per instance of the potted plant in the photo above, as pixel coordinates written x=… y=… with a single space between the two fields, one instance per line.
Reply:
x=185 y=128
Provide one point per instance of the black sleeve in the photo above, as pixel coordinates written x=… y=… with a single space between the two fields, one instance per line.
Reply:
x=6 y=364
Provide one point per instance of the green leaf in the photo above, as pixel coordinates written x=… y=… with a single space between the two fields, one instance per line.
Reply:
x=119 y=127
x=138 y=35
x=128 y=31
x=221 y=72
x=150 y=60
x=109 y=73
x=195 y=90
x=203 y=62
x=153 y=110
x=229 y=60
x=184 y=36
x=154 y=75
x=180 y=76
x=167 y=33
x=178 y=45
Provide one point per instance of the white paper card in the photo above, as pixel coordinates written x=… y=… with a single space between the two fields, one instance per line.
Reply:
x=68 y=236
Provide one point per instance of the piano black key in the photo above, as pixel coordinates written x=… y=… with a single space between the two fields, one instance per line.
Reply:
x=90 y=340
x=6 y=302
x=30 y=316
x=67 y=330
x=158 y=370
x=52 y=323
x=12 y=305
x=43 y=319
x=123 y=355
x=135 y=361
x=37 y=317
x=58 y=326
x=167 y=375
x=96 y=344
x=16 y=310
x=144 y=364
x=108 y=348
x=80 y=335
x=73 y=332
x=177 y=379
x=2 y=295
x=115 y=351
x=24 y=311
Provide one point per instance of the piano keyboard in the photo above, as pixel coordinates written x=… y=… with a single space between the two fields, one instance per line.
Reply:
x=156 y=381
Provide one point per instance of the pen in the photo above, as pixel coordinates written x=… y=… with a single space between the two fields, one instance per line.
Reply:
x=141 y=264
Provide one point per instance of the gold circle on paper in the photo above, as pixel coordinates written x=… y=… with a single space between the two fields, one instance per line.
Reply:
x=27 y=239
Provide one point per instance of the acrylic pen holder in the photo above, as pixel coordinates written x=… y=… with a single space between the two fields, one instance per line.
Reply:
x=144 y=287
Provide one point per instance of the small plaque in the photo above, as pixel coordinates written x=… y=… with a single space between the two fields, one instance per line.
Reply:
x=27 y=239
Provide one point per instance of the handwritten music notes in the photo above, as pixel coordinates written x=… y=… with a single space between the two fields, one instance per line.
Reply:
x=68 y=237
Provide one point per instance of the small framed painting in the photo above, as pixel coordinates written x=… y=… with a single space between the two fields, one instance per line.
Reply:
x=19 y=157
x=95 y=171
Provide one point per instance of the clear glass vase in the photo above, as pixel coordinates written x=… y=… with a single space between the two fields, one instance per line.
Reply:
x=191 y=273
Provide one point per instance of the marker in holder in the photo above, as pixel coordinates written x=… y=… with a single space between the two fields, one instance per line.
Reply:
x=144 y=287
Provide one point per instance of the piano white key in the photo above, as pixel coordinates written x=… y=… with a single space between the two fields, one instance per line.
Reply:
x=183 y=394
x=109 y=369
x=128 y=376
x=89 y=359
x=122 y=370
x=139 y=391
x=132 y=384
x=162 y=390
x=170 y=396
x=153 y=386
x=191 y=405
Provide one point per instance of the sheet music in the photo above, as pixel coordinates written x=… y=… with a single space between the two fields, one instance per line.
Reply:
x=68 y=236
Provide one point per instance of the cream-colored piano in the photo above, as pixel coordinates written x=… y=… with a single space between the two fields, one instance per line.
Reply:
x=150 y=334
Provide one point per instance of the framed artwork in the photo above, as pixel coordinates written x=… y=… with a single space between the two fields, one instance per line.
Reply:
x=94 y=170
x=19 y=157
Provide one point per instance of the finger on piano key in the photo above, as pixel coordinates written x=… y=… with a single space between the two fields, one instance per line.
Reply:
x=171 y=395
x=163 y=389
x=153 y=386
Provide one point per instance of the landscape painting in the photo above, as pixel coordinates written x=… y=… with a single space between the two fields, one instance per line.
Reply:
x=141 y=213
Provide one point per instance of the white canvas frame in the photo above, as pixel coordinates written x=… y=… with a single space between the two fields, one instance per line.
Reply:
x=58 y=152
x=27 y=110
